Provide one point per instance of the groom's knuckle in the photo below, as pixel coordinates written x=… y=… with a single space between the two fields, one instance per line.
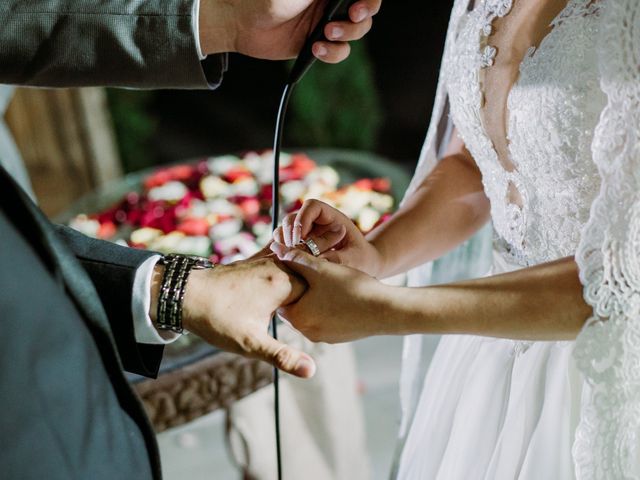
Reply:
x=276 y=277
x=267 y=266
x=285 y=358
x=249 y=343
x=277 y=282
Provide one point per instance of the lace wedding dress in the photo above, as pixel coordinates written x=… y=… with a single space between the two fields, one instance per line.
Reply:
x=555 y=131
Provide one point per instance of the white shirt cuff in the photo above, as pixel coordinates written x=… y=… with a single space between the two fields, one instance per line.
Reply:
x=143 y=327
x=196 y=28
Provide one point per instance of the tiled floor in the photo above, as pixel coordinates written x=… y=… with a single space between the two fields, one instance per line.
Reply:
x=198 y=451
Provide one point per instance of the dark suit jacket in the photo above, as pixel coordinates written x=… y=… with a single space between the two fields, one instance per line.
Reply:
x=127 y=43
x=65 y=300
x=67 y=410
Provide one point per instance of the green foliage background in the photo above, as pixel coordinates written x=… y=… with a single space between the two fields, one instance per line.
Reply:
x=134 y=126
x=334 y=106
x=337 y=105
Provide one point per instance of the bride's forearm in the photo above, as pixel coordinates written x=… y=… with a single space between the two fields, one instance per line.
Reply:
x=445 y=210
x=538 y=303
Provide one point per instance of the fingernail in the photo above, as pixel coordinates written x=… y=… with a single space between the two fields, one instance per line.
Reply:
x=305 y=368
x=321 y=51
x=276 y=248
x=336 y=228
x=291 y=255
x=361 y=14
x=337 y=32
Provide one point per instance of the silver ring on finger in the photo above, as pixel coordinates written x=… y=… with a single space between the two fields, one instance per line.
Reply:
x=313 y=247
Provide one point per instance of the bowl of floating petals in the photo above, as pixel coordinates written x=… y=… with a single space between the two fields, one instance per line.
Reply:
x=220 y=207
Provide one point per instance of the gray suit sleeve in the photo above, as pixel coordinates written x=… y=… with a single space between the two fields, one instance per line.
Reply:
x=118 y=43
x=112 y=270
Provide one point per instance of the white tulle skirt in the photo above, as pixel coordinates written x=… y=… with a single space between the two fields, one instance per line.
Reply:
x=495 y=409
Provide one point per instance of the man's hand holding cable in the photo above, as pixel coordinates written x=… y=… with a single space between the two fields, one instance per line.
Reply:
x=277 y=29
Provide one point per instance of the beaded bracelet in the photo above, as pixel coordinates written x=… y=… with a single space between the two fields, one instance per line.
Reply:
x=174 y=285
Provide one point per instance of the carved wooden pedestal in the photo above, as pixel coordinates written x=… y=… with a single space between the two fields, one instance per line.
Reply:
x=188 y=392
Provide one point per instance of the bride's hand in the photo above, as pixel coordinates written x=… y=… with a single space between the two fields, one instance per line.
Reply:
x=340 y=305
x=338 y=239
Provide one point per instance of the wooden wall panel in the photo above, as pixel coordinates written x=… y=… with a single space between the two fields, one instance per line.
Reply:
x=66 y=140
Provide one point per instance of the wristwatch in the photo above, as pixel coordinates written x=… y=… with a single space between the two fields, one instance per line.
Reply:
x=177 y=268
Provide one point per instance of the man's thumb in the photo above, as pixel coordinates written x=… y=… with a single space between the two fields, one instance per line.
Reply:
x=286 y=358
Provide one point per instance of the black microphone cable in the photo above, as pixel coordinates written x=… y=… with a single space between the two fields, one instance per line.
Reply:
x=334 y=10
x=275 y=196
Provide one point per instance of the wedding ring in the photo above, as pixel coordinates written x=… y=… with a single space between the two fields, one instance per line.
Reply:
x=313 y=247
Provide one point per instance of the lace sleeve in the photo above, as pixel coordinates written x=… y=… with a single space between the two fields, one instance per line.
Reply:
x=607 y=350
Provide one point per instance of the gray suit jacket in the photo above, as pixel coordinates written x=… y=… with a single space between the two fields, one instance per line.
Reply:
x=65 y=299
x=127 y=43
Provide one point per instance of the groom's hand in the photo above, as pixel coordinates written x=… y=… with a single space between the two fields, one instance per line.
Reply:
x=277 y=29
x=231 y=306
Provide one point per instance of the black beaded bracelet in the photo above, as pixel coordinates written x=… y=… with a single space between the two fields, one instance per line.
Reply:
x=174 y=285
